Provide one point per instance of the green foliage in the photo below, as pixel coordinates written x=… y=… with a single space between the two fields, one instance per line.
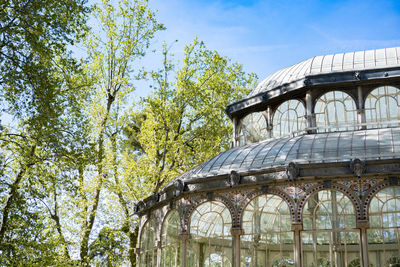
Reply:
x=74 y=156
x=183 y=122
x=124 y=32
x=41 y=91
x=33 y=46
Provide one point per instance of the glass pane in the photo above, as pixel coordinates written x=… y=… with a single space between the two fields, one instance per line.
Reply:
x=211 y=241
x=382 y=107
x=384 y=247
x=328 y=209
x=331 y=248
x=170 y=245
x=267 y=239
x=148 y=251
x=335 y=111
x=289 y=119
x=252 y=128
x=384 y=235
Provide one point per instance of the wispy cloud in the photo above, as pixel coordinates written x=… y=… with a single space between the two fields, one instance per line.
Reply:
x=269 y=35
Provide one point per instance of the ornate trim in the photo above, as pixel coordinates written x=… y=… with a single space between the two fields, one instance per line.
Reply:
x=328 y=185
x=268 y=191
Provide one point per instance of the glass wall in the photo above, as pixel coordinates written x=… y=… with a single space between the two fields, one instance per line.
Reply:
x=329 y=237
x=335 y=111
x=148 y=250
x=211 y=241
x=382 y=105
x=289 y=118
x=252 y=128
x=384 y=232
x=170 y=245
x=267 y=239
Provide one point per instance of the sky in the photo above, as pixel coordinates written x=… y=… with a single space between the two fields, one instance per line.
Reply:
x=268 y=35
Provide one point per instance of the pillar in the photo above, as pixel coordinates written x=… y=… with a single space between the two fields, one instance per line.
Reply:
x=361 y=111
x=184 y=240
x=158 y=242
x=137 y=253
x=234 y=138
x=309 y=116
x=297 y=228
x=236 y=233
x=363 y=226
x=269 y=122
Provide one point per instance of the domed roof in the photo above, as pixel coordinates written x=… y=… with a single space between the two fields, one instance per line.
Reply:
x=353 y=61
x=329 y=147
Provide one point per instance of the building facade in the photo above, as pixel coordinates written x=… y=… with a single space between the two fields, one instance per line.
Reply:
x=312 y=179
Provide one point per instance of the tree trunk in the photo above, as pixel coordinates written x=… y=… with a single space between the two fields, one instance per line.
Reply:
x=13 y=192
x=100 y=157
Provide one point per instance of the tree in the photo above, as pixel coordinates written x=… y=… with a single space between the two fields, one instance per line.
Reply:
x=125 y=34
x=183 y=123
x=37 y=94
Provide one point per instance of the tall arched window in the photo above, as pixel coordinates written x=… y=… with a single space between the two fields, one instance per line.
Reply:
x=267 y=239
x=335 y=111
x=170 y=245
x=384 y=232
x=148 y=250
x=252 y=128
x=382 y=106
x=289 y=118
x=211 y=241
x=329 y=237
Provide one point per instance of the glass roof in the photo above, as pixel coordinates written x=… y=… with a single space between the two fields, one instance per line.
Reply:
x=329 y=147
x=361 y=60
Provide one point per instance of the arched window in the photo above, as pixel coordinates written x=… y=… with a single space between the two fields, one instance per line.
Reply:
x=252 y=128
x=289 y=118
x=170 y=245
x=384 y=232
x=329 y=237
x=335 y=111
x=148 y=250
x=211 y=241
x=267 y=239
x=382 y=106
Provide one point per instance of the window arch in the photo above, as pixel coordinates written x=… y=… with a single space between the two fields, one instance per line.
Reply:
x=335 y=111
x=252 y=128
x=210 y=230
x=170 y=245
x=384 y=223
x=329 y=235
x=148 y=250
x=267 y=239
x=383 y=105
x=289 y=118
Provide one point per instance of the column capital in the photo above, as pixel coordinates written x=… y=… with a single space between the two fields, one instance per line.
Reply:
x=237 y=231
x=184 y=236
x=297 y=226
x=362 y=224
x=136 y=251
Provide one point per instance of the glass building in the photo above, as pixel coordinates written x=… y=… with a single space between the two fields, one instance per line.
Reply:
x=312 y=178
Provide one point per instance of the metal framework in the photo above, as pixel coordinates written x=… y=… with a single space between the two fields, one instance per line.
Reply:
x=267 y=238
x=382 y=107
x=312 y=178
x=170 y=243
x=335 y=111
x=252 y=128
x=289 y=119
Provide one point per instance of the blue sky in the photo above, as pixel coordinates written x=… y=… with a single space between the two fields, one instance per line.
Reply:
x=267 y=35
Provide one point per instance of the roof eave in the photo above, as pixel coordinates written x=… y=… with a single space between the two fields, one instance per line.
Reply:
x=257 y=101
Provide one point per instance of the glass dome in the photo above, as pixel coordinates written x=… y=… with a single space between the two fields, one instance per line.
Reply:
x=312 y=178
